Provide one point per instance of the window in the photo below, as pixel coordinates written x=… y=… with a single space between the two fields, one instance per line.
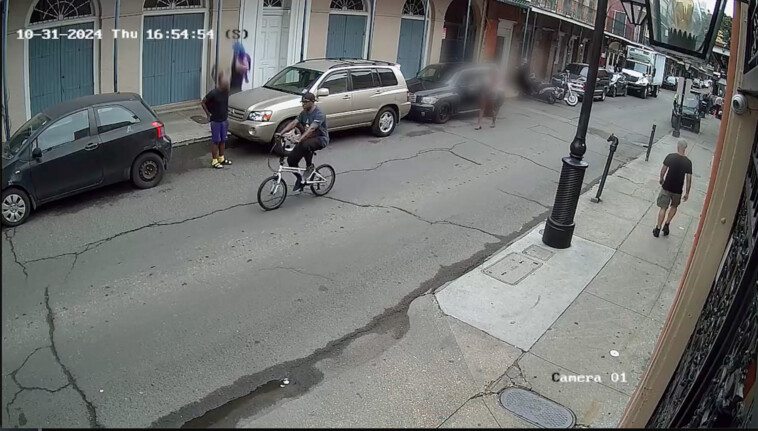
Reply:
x=18 y=140
x=619 y=23
x=293 y=80
x=413 y=8
x=172 y=4
x=351 y=5
x=362 y=79
x=387 y=77
x=336 y=83
x=67 y=129
x=59 y=10
x=114 y=117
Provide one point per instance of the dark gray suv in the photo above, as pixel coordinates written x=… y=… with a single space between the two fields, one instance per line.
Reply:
x=578 y=77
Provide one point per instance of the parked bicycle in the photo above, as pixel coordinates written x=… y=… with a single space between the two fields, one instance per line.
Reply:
x=273 y=190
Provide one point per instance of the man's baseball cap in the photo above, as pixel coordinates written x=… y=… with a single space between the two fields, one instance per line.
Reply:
x=309 y=97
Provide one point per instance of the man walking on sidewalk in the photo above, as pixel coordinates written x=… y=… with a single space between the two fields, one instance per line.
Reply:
x=676 y=168
x=215 y=105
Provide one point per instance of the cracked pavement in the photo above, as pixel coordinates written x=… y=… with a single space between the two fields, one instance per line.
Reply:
x=153 y=307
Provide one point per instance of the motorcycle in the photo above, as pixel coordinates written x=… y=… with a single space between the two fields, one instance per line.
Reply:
x=549 y=92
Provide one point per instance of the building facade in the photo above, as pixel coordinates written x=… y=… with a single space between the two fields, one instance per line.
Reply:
x=165 y=50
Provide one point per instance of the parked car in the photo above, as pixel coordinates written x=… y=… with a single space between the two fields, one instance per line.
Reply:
x=670 y=83
x=440 y=91
x=690 y=114
x=79 y=145
x=617 y=85
x=351 y=93
x=578 y=77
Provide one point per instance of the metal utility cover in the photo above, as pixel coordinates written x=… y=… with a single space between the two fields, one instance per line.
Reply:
x=540 y=253
x=536 y=409
x=512 y=268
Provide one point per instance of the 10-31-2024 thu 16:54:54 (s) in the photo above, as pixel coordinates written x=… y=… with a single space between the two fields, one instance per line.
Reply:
x=91 y=34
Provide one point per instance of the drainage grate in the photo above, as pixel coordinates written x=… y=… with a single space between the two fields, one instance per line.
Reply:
x=536 y=409
x=512 y=268
x=540 y=253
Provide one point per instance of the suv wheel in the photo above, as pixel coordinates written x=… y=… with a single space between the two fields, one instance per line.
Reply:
x=385 y=122
x=15 y=207
x=147 y=170
x=442 y=113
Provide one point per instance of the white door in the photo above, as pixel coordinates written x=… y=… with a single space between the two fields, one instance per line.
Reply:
x=271 y=50
x=505 y=31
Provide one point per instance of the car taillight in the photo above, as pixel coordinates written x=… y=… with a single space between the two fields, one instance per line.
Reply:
x=159 y=128
x=407 y=96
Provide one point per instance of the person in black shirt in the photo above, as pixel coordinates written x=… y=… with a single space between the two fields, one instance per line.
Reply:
x=215 y=104
x=675 y=170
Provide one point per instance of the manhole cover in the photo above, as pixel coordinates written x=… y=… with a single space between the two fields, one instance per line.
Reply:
x=512 y=268
x=540 y=253
x=536 y=409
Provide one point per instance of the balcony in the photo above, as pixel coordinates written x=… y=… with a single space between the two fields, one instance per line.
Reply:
x=569 y=8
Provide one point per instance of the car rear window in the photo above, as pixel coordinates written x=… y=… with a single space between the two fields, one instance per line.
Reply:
x=362 y=79
x=114 y=117
x=387 y=77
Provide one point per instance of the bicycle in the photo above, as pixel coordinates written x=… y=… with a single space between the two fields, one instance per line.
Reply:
x=273 y=190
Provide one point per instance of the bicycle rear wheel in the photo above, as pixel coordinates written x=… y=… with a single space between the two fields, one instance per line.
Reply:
x=324 y=177
x=272 y=193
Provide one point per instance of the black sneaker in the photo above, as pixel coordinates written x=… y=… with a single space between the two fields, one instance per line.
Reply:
x=308 y=172
x=299 y=186
x=666 y=229
x=656 y=231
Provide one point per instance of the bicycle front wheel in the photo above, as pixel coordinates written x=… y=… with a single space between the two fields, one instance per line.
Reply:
x=323 y=180
x=271 y=193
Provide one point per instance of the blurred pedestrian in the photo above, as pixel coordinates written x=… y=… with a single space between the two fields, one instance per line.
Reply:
x=216 y=104
x=240 y=67
x=675 y=170
x=491 y=97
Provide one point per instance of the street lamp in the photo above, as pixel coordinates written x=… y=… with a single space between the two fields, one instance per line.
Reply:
x=559 y=228
x=636 y=11
x=682 y=27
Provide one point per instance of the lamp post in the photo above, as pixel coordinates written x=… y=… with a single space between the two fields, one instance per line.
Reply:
x=559 y=228
x=678 y=108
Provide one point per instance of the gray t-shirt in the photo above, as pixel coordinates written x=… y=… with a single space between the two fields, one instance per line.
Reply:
x=315 y=117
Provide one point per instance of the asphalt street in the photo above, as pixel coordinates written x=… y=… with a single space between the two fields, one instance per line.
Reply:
x=136 y=308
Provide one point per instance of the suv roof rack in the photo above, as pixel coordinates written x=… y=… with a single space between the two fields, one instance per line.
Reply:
x=352 y=62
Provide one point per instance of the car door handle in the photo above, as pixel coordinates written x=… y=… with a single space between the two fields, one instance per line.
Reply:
x=378 y=92
x=91 y=146
x=347 y=96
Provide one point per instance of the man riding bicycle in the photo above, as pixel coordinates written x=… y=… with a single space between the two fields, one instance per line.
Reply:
x=314 y=136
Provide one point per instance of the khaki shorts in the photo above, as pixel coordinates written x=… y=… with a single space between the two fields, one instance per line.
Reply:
x=667 y=199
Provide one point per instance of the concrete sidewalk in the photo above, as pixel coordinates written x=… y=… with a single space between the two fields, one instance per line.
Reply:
x=182 y=129
x=445 y=361
x=595 y=309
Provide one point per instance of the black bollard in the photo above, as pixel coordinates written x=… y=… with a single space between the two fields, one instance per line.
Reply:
x=614 y=144
x=650 y=144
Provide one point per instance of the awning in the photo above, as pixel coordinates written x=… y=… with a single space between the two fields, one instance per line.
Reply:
x=518 y=3
x=561 y=17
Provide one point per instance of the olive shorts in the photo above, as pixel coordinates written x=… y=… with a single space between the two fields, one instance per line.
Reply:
x=667 y=199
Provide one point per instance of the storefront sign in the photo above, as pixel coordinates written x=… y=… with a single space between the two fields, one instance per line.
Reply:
x=750 y=79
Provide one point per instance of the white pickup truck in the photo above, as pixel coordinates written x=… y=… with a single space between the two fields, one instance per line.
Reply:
x=644 y=71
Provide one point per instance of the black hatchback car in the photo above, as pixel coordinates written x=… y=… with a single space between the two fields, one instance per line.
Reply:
x=442 y=90
x=79 y=145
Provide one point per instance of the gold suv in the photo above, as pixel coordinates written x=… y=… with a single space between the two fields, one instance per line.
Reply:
x=352 y=93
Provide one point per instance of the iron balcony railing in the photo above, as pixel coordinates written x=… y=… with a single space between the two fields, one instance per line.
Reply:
x=618 y=25
x=570 y=8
